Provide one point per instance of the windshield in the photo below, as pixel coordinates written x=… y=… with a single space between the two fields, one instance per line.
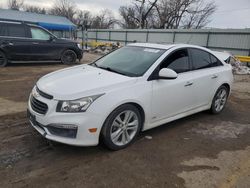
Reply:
x=130 y=60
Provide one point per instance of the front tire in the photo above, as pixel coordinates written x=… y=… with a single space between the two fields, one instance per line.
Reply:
x=3 y=59
x=68 y=57
x=219 y=100
x=121 y=127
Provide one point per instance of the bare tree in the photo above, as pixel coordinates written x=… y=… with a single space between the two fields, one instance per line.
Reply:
x=64 y=8
x=129 y=17
x=15 y=4
x=35 y=9
x=138 y=14
x=198 y=16
x=145 y=9
x=104 y=20
x=168 y=14
x=83 y=17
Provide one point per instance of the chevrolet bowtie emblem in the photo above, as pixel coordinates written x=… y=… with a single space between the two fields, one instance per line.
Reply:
x=35 y=94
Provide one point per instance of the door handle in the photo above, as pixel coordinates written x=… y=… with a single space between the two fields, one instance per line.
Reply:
x=35 y=43
x=8 y=43
x=214 y=76
x=188 y=84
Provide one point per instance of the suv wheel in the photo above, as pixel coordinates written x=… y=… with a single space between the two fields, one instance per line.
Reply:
x=121 y=127
x=68 y=57
x=3 y=59
x=219 y=100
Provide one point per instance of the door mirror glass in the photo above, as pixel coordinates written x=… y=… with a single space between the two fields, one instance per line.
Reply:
x=166 y=73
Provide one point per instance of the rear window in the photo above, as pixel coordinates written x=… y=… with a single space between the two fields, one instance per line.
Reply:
x=203 y=59
x=16 y=30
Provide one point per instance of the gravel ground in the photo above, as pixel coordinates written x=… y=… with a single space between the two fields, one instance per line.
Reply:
x=202 y=150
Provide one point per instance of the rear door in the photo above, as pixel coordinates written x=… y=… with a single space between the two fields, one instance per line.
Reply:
x=206 y=70
x=15 y=42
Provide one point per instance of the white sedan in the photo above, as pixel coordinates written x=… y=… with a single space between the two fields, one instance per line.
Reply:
x=130 y=90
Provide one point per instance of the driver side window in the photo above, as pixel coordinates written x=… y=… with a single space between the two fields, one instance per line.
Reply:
x=39 y=34
x=177 y=61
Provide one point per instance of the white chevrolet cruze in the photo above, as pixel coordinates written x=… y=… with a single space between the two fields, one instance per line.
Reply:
x=132 y=89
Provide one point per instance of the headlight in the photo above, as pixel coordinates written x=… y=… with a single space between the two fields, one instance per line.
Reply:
x=79 y=105
x=79 y=45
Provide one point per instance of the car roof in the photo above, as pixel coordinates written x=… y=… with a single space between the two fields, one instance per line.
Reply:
x=153 y=45
x=166 y=46
x=222 y=55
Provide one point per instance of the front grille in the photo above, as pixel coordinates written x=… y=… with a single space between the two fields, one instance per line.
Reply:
x=45 y=95
x=38 y=106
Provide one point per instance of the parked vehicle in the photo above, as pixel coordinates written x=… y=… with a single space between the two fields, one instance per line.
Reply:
x=132 y=89
x=21 y=42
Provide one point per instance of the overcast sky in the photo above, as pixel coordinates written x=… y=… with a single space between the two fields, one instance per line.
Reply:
x=229 y=14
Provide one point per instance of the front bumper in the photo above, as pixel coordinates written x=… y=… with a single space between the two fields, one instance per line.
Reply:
x=52 y=125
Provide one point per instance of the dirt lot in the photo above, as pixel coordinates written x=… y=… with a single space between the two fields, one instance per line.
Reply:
x=202 y=150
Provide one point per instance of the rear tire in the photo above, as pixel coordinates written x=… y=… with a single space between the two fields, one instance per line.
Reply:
x=3 y=59
x=219 y=100
x=68 y=57
x=121 y=127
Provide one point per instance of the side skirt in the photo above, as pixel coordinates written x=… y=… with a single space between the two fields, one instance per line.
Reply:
x=178 y=116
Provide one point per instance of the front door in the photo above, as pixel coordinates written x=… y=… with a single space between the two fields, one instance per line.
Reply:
x=172 y=97
x=42 y=45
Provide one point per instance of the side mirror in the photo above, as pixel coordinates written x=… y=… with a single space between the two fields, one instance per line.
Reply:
x=51 y=38
x=166 y=73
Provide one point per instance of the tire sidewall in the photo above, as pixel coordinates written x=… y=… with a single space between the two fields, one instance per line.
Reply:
x=213 y=110
x=65 y=62
x=105 y=133
x=6 y=60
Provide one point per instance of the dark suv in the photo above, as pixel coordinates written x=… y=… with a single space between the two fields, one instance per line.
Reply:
x=22 y=42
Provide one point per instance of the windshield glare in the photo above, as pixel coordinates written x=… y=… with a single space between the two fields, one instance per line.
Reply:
x=130 y=60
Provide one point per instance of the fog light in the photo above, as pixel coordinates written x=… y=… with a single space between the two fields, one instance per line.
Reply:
x=63 y=130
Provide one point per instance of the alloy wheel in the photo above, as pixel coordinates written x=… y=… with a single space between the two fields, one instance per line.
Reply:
x=69 y=57
x=220 y=100
x=124 y=128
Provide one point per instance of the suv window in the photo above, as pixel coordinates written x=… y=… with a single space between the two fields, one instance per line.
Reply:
x=202 y=59
x=3 y=30
x=37 y=33
x=16 y=30
x=177 y=61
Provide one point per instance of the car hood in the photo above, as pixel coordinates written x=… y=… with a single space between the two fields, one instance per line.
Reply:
x=81 y=81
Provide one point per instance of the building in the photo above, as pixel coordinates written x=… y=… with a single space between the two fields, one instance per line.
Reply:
x=58 y=25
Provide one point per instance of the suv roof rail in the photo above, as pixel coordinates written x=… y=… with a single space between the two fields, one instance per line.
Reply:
x=14 y=21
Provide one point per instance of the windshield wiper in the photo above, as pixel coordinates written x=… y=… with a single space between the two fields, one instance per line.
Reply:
x=94 y=64
x=112 y=70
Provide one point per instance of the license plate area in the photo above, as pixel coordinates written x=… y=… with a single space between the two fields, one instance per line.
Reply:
x=31 y=117
x=35 y=124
